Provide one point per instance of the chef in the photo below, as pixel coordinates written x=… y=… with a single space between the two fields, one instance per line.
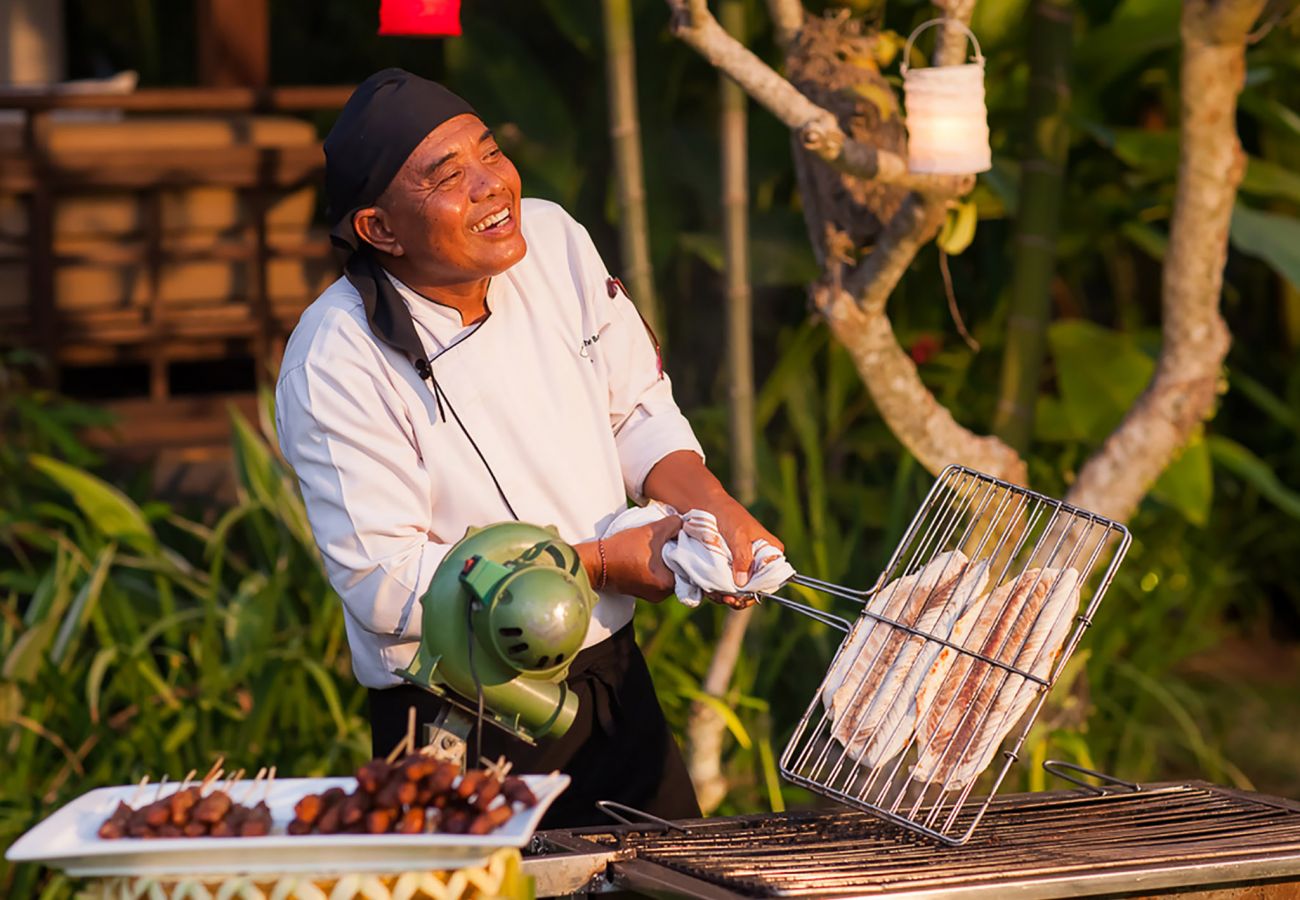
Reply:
x=478 y=363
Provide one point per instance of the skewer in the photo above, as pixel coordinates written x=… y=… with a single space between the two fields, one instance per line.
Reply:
x=213 y=774
x=501 y=768
x=157 y=795
x=216 y=768
x=135 y=796
x=230 y=782
x=189 y=776
x=407 y=744
x=270 y=777
x=252 y=788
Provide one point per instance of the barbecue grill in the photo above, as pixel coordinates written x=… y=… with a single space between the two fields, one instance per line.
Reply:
x=1183 y=837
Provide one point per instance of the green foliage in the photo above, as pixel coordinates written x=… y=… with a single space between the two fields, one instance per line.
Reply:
x=139 y=642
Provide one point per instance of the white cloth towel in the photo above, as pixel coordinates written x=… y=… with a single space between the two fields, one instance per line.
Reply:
x=700 y=559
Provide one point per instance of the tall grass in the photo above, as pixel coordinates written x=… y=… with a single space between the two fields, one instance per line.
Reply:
x=138 y=640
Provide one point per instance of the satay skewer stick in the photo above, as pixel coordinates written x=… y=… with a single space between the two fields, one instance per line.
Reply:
x=407 y=744
x=230 y=782
x=140 y=787
x=216 y=768
x=270 y=777
x=252 y=788
x=157 y=795
x=189 y=776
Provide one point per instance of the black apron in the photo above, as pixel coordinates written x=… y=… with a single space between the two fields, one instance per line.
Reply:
x=618 y=748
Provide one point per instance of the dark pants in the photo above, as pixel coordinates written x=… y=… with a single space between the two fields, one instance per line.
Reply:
x=618 y=748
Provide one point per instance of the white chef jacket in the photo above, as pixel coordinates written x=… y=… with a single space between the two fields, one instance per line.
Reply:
x=560 y=388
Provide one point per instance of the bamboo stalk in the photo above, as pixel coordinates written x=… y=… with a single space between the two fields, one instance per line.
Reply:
x=706 y=728
x=1042 y=180
x=625 y=135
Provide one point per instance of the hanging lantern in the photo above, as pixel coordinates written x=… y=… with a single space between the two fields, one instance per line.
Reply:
x=420 y=18
x=947 y=121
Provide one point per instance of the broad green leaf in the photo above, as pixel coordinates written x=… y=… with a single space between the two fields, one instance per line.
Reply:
x=1272 y=237
x=1272 y=113
x=1137 y=29
x=996 y=21
x=1052 y=422
x=1155 y=152
x=1187 y=484
x=1243 y=463
x=1146 y=238
x=1100 y=373
x=107 y=508
x=1268 y=179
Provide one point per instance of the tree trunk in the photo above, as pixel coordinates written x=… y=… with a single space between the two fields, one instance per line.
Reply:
x=625 y=134
x=1042 y=181
x=706 y=730
x=1182 y=392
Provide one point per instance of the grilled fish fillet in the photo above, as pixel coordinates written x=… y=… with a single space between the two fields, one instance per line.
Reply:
x=863 y=711
x=966 y=711
x=891 y=718
x=868 y=635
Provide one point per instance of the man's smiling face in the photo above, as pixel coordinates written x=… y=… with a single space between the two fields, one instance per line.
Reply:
x=453 y=208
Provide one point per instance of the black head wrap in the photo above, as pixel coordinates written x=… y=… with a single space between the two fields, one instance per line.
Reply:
x=385 y=119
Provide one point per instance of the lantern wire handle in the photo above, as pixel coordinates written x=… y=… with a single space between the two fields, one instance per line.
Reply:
x=944 y=20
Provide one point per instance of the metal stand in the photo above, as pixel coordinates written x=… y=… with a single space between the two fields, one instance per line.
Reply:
x=448 y=735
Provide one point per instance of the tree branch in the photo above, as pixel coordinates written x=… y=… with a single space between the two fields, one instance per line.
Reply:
x=787 y=19
x=856 y=316
x=816 y=128
x=951 y=47
x=1211 y=163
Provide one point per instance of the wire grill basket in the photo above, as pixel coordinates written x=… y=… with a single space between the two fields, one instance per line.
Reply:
x=971 y=623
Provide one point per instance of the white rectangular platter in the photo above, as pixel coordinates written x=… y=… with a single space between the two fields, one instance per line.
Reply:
x=69 y=838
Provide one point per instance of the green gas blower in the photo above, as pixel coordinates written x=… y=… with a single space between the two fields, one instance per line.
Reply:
x=505 y=614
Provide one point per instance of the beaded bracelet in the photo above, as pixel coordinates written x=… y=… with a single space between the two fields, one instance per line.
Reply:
x=604 y=572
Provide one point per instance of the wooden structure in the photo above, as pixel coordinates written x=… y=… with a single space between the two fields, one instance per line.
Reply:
x=148 y=235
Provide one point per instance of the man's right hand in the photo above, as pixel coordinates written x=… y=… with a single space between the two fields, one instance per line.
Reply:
x=634 y=562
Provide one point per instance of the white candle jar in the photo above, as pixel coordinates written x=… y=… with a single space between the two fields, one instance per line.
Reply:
x=947 y=120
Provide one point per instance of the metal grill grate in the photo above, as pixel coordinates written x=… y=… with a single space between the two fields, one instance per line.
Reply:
x=936 y=673
x=1164 y=835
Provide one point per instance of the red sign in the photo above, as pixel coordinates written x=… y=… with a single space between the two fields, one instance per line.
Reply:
x=428 y=18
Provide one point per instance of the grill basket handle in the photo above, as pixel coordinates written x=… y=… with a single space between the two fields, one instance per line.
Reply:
x=1055 y=767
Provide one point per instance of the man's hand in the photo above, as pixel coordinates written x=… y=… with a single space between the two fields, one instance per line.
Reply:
x=634 y=562
x=682 y=481
x=740 y=530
